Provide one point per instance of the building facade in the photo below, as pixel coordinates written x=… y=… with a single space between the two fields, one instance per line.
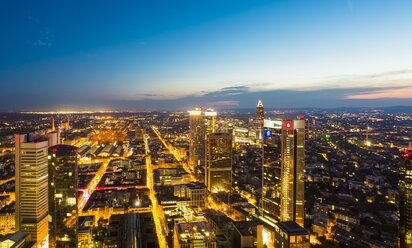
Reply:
x=291 y=235
x=63 y=181
x=210 y=118
x=271 y=169
x=405 y=199
x=283 y=170
x=134 y=230
x=259 y=119
x=193 y=234
x=218 y=175
x=197 y=131
x=32 y=188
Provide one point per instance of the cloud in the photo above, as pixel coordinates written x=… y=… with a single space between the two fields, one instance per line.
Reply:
x=33 y=19
x=147 y=94
x=223 y=103
x=390 y=73
x=44 y=34
x=399 y=93
x=385 y=80
x=41 y=43
x=227 y=91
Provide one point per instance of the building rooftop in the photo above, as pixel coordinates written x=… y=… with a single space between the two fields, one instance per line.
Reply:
x=292 y=228
x=17 y=238
x=63 y=148
x=193 y=227
x=245 y=227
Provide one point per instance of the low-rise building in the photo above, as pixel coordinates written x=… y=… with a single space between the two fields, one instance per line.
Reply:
x=194 y=234
x=289 y=234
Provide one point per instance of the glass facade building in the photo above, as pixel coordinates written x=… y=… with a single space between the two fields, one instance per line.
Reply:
x=283 y=170
x=63 y=181
x=218 y=176
x=210 y=117
x=197 y=133
x=405 y=199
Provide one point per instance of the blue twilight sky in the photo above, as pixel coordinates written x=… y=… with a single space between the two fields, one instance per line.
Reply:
x=89 y=55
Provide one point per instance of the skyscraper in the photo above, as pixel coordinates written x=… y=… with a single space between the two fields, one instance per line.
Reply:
x=283 y=170
x=271 y=169
x=210 y=117
x=218 y=175
x=31 y=188
x=63 y=196
x=196 y=138
x=259 y=118
x=405 y=199
x=53 y=138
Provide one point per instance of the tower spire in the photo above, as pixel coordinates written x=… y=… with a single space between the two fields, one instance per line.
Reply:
x=53 y=129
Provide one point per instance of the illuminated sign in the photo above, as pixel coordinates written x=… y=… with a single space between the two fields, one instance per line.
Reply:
x=272 y=124
x=288 y=125
x=267 y=133
x=195 y=112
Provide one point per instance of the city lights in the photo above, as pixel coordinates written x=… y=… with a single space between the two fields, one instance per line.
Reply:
x=189 y=124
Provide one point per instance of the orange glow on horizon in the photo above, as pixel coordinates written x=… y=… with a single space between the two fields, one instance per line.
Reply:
x=402 y=93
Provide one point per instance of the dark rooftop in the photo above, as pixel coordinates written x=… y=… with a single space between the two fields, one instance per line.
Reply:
x=292 y=228
x=63 y=148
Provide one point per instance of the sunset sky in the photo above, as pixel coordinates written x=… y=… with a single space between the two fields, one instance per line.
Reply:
x=90 y=55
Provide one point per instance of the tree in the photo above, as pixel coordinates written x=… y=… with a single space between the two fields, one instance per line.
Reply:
x=100 y=233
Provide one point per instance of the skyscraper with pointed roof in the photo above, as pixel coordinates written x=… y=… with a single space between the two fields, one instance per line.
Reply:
x=259 y=118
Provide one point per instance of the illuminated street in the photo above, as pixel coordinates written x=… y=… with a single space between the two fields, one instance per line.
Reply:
x=91 y=188
x=157 y=215
x=175 y=154
x=206 y=124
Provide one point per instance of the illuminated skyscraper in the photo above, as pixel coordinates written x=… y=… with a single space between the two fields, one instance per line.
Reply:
x=259 y=118
x=210 y=117
x=53 y=138
x=218 y=175
x=271 y=169
x=405 y=199
x=31 y=188
x=196 y=138
x=63 y=196
x=283 y=170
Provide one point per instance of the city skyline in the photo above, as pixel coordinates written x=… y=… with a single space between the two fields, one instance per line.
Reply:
x=221 y=55
x=169 y=179
x=219 y=124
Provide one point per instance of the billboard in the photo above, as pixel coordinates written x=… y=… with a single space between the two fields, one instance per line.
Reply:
x=272 y=124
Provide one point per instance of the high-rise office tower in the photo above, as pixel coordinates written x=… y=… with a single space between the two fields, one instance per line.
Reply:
x=63 y=183
x=405 y=199
x=283 y=170
x=196 y=138
x=31 y=188
x=271 y=169
x=259 y=118
x=218 y=175
x=210 y=117
x=53 y=138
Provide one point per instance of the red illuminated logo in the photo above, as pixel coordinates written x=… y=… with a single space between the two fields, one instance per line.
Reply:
x=288 y=125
